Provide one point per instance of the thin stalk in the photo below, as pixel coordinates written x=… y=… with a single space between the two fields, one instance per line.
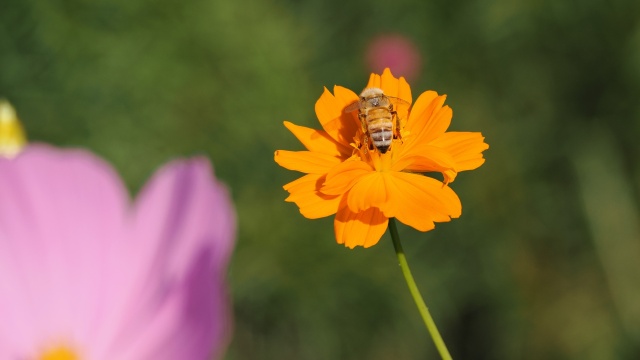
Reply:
x=413 y=288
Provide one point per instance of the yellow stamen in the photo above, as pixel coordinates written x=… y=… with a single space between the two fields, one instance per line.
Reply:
x=12 y=136
x=59 y=353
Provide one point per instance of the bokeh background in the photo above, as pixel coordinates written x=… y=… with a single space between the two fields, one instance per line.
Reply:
x=543 y=263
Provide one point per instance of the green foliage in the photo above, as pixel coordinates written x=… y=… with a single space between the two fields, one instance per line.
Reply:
x=519 y=276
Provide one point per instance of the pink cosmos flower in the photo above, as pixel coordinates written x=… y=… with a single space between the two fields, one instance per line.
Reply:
x=396 y=52
x=86 y=275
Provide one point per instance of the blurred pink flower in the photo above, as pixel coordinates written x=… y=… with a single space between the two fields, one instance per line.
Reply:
x=395 y=52
x=85 y=275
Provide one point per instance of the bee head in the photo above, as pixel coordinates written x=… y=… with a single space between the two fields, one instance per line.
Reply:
x=371 y=93
x=373 y=97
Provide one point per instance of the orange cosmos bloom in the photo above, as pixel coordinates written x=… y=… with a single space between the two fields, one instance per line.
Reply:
x=363 y=187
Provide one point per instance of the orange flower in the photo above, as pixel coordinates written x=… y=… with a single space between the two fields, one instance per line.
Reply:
x=347 y=176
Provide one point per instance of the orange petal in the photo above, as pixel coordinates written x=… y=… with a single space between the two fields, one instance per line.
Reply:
x=341 y=126
x=420 y=201
x=428 y=158
x=306 y=161
x=345 y=97
x=422 y=108
x=390 y=85
x=312 y=204
x=396 y=87
x=427 y=125
x=343 y=176
x=465 y=148
x=369 y=191
x=318 y=140
x=359 y=229
x=374 y=81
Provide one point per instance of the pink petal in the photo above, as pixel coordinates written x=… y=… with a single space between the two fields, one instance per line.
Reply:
x=77 y=267
x=59 y=212
x=183 y=222
x=192 y=322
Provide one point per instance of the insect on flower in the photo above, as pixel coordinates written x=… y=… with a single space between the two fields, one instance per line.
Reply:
x=371 y=159
x=379 y=118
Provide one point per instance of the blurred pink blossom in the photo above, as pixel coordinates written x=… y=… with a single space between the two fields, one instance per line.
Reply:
x=395 y=52
x=84 y=272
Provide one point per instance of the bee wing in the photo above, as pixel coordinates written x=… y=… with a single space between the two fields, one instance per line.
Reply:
x=401 y=106
x=399 y=102
x=352 y=107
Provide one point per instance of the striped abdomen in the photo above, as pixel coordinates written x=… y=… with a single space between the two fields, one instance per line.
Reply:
x=380 y=128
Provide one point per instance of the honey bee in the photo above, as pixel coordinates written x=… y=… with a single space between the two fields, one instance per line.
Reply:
x=378 y=114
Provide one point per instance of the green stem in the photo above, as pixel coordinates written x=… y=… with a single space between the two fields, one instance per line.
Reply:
x=413 y=288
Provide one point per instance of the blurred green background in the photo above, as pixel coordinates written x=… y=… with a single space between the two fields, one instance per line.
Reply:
x=543 y=263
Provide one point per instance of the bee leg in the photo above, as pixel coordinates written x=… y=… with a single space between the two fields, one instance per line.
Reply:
x=396 y=127
x=363 y=122
x=365 y=143
x=368 y=145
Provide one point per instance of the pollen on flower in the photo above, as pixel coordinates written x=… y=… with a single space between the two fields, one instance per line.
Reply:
x=12 y=136
x=59 y=353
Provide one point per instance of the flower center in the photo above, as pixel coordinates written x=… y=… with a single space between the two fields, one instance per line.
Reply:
x=59 y=353
x=381 y=162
